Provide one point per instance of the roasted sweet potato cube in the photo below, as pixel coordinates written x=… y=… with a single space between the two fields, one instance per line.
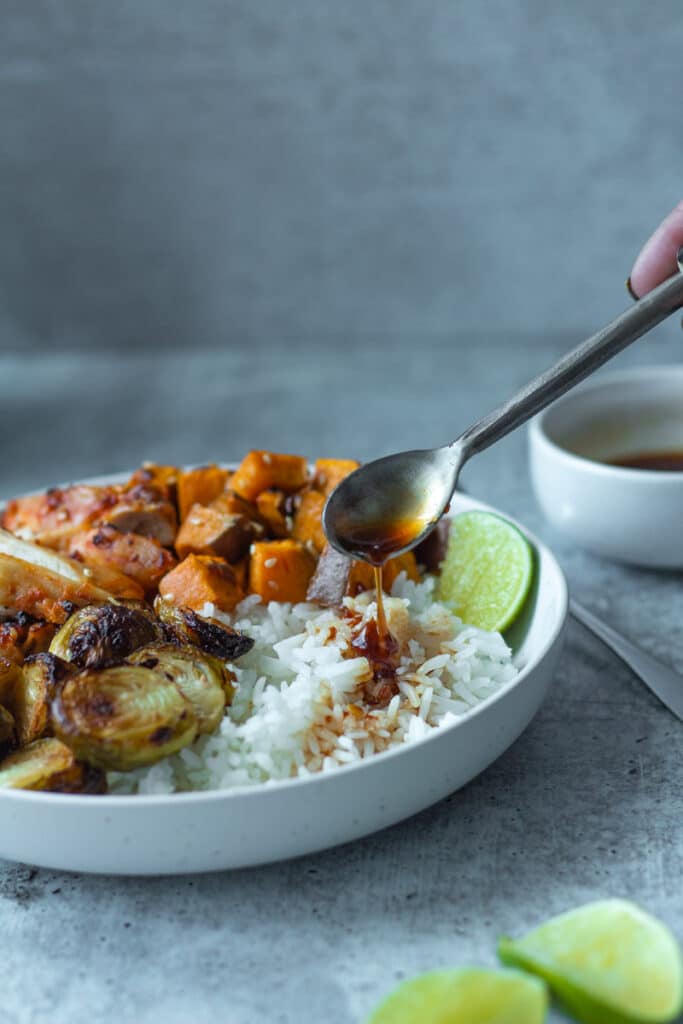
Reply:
x=265 y=471
x=207 y=531
x=330 y=472
x=199 y=487
x=280 y=570
x=139 y=558
x=233 y=505
x=362 y=575
x=308 y=526
x=200 y=579
x=270 y=505
x=164 y=478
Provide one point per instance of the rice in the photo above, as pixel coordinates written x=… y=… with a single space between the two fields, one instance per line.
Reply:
x=298 y=707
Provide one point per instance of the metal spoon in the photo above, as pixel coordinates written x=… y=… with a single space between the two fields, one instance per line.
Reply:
x=411 y=490
x=665 y=682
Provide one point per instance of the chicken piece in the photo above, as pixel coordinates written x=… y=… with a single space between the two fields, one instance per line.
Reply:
x=42 y=593
x=23 y=636
x=53 y=517
x=146 y=510
x=280 y=570
x=105 y=578
x=201 y=580
x=271 y=507
x=199 y=487
x=308 y=525
x=264 y=471
x=330 y=472
x=330 y=580
x=432 y=551
x=207 y=531
x=139 y=558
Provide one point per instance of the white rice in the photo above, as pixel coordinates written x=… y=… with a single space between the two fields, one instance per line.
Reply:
x=298 y=705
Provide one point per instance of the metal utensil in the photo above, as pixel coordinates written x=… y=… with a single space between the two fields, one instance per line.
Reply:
x=413 y=489
x=665 y=682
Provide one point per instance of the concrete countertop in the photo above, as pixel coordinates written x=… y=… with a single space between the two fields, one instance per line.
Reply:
x=586 y=804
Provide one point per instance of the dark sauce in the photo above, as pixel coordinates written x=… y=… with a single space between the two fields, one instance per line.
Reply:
x=377 y=544
x=669 y=461
x=379 y=541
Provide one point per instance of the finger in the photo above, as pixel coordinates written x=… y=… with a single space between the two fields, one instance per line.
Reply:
x=657 y=259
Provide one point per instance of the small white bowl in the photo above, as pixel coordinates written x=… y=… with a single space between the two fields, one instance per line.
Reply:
x=630 y=515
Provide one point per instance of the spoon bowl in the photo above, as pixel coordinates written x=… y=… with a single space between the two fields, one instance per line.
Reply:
x=390 y=505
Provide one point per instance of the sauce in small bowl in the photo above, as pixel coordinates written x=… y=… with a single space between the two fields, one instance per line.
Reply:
x=606 y=465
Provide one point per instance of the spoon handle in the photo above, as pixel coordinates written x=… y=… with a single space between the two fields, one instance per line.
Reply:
x=664 y=682
x=573 y=367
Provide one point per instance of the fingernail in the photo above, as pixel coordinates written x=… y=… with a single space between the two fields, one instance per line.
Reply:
x=629 y=286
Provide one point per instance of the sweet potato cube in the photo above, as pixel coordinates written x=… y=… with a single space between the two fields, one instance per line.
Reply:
x=199 y=487
x=330 y=472
x=263 y=471
x=200 y=579
x=233 y=505
x=362 y=575
x=207 y=531
x=308 y=525
x=270 y=508
x=280 y=570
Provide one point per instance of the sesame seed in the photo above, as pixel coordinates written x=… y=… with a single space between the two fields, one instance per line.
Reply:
x=270 y=562
x=273 y=585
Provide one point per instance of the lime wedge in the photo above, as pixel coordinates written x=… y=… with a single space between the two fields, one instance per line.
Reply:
x=467 y=996
x=487 y=572
x=608 y=962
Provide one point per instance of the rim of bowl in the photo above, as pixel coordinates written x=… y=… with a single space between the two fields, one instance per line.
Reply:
x=130 y=800
x=539 y=435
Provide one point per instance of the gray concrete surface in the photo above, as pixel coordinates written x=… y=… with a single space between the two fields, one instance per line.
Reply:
x=225 y=170
x=586 y=804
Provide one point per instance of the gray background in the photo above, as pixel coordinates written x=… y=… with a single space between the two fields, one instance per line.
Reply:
x=338 y=229
x=205 y=173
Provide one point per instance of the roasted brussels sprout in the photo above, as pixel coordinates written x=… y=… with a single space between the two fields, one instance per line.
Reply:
x=7 y=730
x=122 y=718
x=10 y=675
x=49 y=765
x=29 y=700
x=200 y=677
x=98 y=636
x=184 y=626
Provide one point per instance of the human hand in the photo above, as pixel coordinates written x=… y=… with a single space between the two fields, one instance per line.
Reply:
x=657 y=260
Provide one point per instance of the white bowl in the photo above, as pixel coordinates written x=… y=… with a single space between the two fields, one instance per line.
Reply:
x=630 y=515
x=210 y=831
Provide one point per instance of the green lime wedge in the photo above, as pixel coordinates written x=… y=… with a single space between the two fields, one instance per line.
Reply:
x=608 y=962
x=466 y=996
x=488 y=570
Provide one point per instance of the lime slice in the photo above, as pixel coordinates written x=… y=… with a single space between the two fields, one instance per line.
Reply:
x=487 y=572
x=467 y=996
x=608 y=962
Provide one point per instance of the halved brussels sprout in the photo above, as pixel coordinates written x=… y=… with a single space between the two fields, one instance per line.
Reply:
x=49 y=765
x=200 y=677
x=10 y=675
x=29 y=702
x=185 y=626
x=122 y=718
x=7 y=730
x=101 y=635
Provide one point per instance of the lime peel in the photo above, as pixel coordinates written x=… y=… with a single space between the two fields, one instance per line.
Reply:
x=608 y=962
x=466 y=996
x=488 y=570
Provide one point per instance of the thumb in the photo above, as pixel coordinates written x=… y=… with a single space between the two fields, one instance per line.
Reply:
x=657 y=259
